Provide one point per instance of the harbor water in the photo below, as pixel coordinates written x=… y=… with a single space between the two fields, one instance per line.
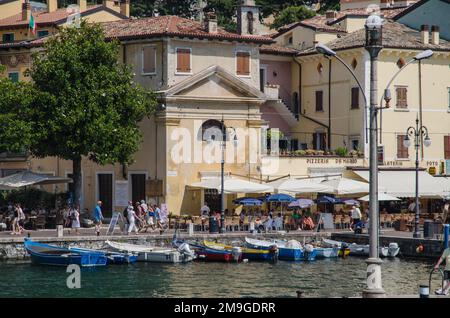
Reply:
x=321 y=278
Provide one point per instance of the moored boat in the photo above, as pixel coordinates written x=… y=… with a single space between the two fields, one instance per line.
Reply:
x=154 y=254
x=214 y=253
x=111 y=257
x=247 y=253
x=45 y=254
x=363 y=249
x=288 y=250
x=327 y=252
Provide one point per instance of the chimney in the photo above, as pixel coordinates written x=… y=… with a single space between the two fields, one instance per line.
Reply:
x=26 y=11
x=112 y=4
x=52 y=5
x=330 y=15
x=435 y=34
x=82 y=4
x=248 y=17
x=424 y=33
x=211 y=22
x=125 y=7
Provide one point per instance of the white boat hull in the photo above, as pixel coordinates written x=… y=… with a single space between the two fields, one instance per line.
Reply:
x=152 y=254
x=363 y=250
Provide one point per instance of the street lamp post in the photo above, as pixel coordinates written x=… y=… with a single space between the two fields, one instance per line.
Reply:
x=420 y=137
x=222 y=173
x=374 y=44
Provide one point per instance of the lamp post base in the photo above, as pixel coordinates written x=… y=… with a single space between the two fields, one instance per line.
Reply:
x=374 y=286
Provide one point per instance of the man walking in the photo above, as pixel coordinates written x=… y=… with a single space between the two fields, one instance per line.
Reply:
x=131 y=214
x=98 y=217
x=445 y=256
x=356 y=217
x=204 y=212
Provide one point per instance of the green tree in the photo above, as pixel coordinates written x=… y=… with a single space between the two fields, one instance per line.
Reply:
x=16 y=133
x=90 y=106
x=291 y=15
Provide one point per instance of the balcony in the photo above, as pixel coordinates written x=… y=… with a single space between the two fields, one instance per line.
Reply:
x=279 y=99
x=13 y=157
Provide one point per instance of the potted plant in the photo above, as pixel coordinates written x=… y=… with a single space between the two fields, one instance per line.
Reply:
x=341 y=151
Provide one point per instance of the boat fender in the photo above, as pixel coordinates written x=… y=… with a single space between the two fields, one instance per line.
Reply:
x=236 y=252
x=309 y=248
x=419 y=248
x=185 y=249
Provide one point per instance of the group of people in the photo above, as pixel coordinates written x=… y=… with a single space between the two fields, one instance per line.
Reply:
x=141 y=217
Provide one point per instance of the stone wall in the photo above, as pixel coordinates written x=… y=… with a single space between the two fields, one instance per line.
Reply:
x=13 y=248
x=432 y=248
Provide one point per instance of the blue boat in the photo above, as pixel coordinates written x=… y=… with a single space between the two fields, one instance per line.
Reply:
x=112 y=257
x=285 y=253
x=44 y=254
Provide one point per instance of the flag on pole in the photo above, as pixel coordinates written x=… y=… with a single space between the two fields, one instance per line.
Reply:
x=32 y=24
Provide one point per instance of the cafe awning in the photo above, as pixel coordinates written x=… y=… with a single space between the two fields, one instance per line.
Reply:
x=233 y=185
x=312 y=185
x=342 y=186
x=402 y=183
x=28 y=178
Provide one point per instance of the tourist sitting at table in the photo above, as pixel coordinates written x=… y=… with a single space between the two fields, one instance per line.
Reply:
x=278 y=222
x=308 y=223
x=259 y=225
x=384 y=211
x=242 y=218
x=218 y=217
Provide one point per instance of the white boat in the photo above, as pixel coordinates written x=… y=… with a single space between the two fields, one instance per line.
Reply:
x=327 y=252
x=363 y=249
x=147 y=253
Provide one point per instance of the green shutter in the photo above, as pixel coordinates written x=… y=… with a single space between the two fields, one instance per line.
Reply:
x=14 y=77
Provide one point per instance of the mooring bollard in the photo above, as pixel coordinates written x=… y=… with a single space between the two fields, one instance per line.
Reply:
x=60 y=230
x=252 y=227
x=191 y=229
x=446 y=233
x=424 y=291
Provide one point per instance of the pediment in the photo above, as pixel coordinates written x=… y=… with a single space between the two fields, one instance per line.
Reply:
x=214 y=82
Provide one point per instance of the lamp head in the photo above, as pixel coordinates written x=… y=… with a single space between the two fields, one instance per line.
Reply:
x=406 y=142
x=424 y=55
x=325 y=50
x=374 y=22
x=427 y=141
x=387 y=96
x=235 y=141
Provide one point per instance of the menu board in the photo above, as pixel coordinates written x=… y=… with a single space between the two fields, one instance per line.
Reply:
x=121 y=193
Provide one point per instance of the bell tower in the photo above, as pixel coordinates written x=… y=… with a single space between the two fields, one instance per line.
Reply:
x=248 y=17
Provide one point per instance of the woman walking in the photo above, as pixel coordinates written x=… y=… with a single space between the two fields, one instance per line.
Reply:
x=74 y=215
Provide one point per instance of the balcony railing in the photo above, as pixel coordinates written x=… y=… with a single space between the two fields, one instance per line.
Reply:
x=314 y=153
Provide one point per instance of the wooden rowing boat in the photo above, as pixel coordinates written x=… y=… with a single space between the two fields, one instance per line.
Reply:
x=44 y=254
x=247 y=253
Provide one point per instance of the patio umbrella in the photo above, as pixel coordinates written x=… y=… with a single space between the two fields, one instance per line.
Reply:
x=301 y=203
x=28 y=178
x=351 y=202
x=248 y=201
x=346 y=186
x=381 y=197
x=328 y=200
x=280 y=197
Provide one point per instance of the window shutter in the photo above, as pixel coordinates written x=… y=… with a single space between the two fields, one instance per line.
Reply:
x=355 y=97
x=323 y=142
x=319 y=101
x=314 y=141
x=447 y=147
x=402 y=97
x=402 y=151
x=183 y=60
x=243 y=63
x=149 y=56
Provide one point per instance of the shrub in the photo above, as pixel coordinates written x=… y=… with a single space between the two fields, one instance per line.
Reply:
x=341 y=151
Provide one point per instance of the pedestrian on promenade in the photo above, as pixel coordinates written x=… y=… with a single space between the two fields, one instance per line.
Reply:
x=204 y=212
x=98 y=217
x=242 y=218
x=356 y=217
x=141 y=215
x=445 y=256
x=15 y=221
x=74 y=215
x=21 y=220
x=157 y=212
x=131 y=218
x=446 y=216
